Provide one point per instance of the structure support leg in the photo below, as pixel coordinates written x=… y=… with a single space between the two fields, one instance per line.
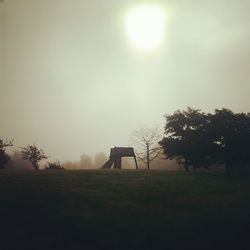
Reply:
x=118 y=163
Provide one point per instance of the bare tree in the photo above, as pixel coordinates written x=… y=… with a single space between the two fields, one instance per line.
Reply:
x=33 y=154
x=147 y=140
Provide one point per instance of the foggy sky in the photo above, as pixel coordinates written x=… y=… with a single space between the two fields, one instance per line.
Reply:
x=71 y=82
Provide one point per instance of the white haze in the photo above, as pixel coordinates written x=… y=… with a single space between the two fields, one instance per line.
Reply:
x=72 y=83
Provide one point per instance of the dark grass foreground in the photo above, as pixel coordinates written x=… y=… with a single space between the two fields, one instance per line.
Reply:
x=123 y=210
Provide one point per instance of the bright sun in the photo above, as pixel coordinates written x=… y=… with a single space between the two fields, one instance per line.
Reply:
x=146 y=26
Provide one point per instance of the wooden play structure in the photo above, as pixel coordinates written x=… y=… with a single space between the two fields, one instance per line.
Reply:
x=116 y=155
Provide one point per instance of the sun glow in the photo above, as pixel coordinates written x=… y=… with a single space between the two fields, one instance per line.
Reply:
x=146 y=26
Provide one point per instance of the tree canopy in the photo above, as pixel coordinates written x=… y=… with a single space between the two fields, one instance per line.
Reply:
x=4 y=157
x=33 y=154
x=199 y=139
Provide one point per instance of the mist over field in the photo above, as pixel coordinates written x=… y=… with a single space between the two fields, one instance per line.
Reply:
x=72 y=82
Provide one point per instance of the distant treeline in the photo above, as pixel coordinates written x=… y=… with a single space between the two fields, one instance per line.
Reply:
x=193 y=140
x=16 y=162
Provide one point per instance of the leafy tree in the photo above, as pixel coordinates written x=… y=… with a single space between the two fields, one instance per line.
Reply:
x=4 y=157
x=33 y=154
x=198 y=139
x=186 y=138
x=148 y=147
x=231 y=134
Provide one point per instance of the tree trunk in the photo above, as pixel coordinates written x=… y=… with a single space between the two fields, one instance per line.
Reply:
x=148 y=156
x=35 y=165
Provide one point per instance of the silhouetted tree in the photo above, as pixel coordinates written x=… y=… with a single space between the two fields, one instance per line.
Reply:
x=231 y=134
x=197 y=139
x=187 y=138
x=4 y=157
x=54 y=166
x=33 y=154
x=148 y=147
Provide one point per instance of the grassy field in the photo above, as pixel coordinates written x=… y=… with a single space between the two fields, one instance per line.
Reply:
x=106 y=209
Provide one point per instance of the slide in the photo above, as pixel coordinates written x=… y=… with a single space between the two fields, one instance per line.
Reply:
x=107 y=164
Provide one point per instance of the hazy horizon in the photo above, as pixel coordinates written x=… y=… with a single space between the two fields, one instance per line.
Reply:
x=72 y=82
